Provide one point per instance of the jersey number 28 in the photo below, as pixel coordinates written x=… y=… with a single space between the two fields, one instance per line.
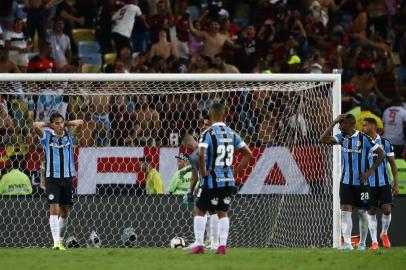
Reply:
x=222 y=159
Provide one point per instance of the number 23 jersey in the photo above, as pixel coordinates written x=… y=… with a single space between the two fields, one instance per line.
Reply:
x=219 y=142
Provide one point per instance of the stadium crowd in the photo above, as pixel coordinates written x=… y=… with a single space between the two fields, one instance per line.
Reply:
x=365 y=41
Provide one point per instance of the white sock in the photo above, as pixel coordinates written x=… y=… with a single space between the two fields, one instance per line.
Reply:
x=224 y=226
x=214 y=230
x=373 y=227
x=54 y=224
x=346 y=226
x=363 y=225
x=385 y=223
x=199 y=227
x=62 y=226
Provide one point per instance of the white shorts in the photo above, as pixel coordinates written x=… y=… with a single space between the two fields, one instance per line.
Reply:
x=20 y=59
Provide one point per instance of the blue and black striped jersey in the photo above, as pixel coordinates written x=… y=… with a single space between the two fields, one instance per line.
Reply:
x=355 y=151
x=220 y=141
x=59 y=156
x=381 y=176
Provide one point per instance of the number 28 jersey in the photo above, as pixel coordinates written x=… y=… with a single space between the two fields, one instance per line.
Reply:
x=220 y=141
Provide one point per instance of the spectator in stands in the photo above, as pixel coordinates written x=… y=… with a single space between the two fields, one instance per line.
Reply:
x=182 y=34
x=126 y=58
x=366 y=112
x=102 y=108
x=394 y=121
x=196 y=44
x=6 y=124
x=43 y=62
x=214 y=41
x=61 y=45
x=222 y=66
x=153 y=180
x=65 y=10
x=37 y=18
x=140 y=38
x=162 y=20
x=146 y=123
x=18 y=45
x=163 y=48
x=88 y=135
x=1 y=37
x=6 y=65
x=201 y=64
x=249 y=46
x=8 y=12
x=123 y=23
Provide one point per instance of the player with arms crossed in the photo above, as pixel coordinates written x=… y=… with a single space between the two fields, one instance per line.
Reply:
x=355 y=172
x=379 y=185
x=58 y=139
x=216 y=152
x=190 y=143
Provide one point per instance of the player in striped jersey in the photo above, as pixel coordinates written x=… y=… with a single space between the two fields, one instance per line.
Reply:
x=380 y=185
x=216 y=153
x=355 y=172
x=58 y=139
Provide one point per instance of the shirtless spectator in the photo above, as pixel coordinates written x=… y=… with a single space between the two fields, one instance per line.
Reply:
x=6 y=65
x=214 y=41
x=6 y=124
x=163 y=48
x=365 y=84
x=88 y=135
x=201 y=64
x=146 y=124
x=222 y=66
x=101 y=117
x=162 y=20
x=126 y=58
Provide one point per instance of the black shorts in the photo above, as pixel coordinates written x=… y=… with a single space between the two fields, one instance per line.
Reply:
x=59 y=191
x=216 y=199
x=379 y=196
x=357 y=196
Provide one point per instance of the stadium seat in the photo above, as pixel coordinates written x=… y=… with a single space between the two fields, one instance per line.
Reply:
x=109 y=58
x=91 y=68
x=83 y=35
x=88 y=47
x=91 y=58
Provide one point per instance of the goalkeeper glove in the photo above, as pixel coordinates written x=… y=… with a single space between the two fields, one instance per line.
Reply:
x=188 y=197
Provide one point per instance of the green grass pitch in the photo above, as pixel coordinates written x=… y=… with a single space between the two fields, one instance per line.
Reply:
x=278 y=259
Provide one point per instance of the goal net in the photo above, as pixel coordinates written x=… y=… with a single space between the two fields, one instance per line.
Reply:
x=287 y=197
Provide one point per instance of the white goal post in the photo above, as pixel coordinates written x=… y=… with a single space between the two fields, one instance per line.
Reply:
x=299 y=106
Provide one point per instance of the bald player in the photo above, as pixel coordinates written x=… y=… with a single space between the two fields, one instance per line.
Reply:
x=190 y=143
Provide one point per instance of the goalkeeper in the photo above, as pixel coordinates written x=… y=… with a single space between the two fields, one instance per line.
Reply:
x=190 y=143
x=180 y=182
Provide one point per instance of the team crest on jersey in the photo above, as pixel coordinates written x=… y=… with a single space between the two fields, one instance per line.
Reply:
x=51 y=197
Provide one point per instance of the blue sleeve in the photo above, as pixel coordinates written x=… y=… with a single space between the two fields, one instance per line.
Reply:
x=389 y=149
x=45 y=137
x=338 y=137
x=238 y=142
x=70 y=135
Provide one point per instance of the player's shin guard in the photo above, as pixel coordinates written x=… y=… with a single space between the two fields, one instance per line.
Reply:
x=385 y=223
x=224 y=226
x=199 y=227
x=55 y=230
x=346 y=226
x=214 y=230
x=373 y=228
x=363 y=225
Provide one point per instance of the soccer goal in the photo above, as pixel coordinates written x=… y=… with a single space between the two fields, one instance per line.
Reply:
x=287 y=197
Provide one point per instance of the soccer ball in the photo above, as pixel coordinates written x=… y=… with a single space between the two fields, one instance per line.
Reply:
x=178 y=242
